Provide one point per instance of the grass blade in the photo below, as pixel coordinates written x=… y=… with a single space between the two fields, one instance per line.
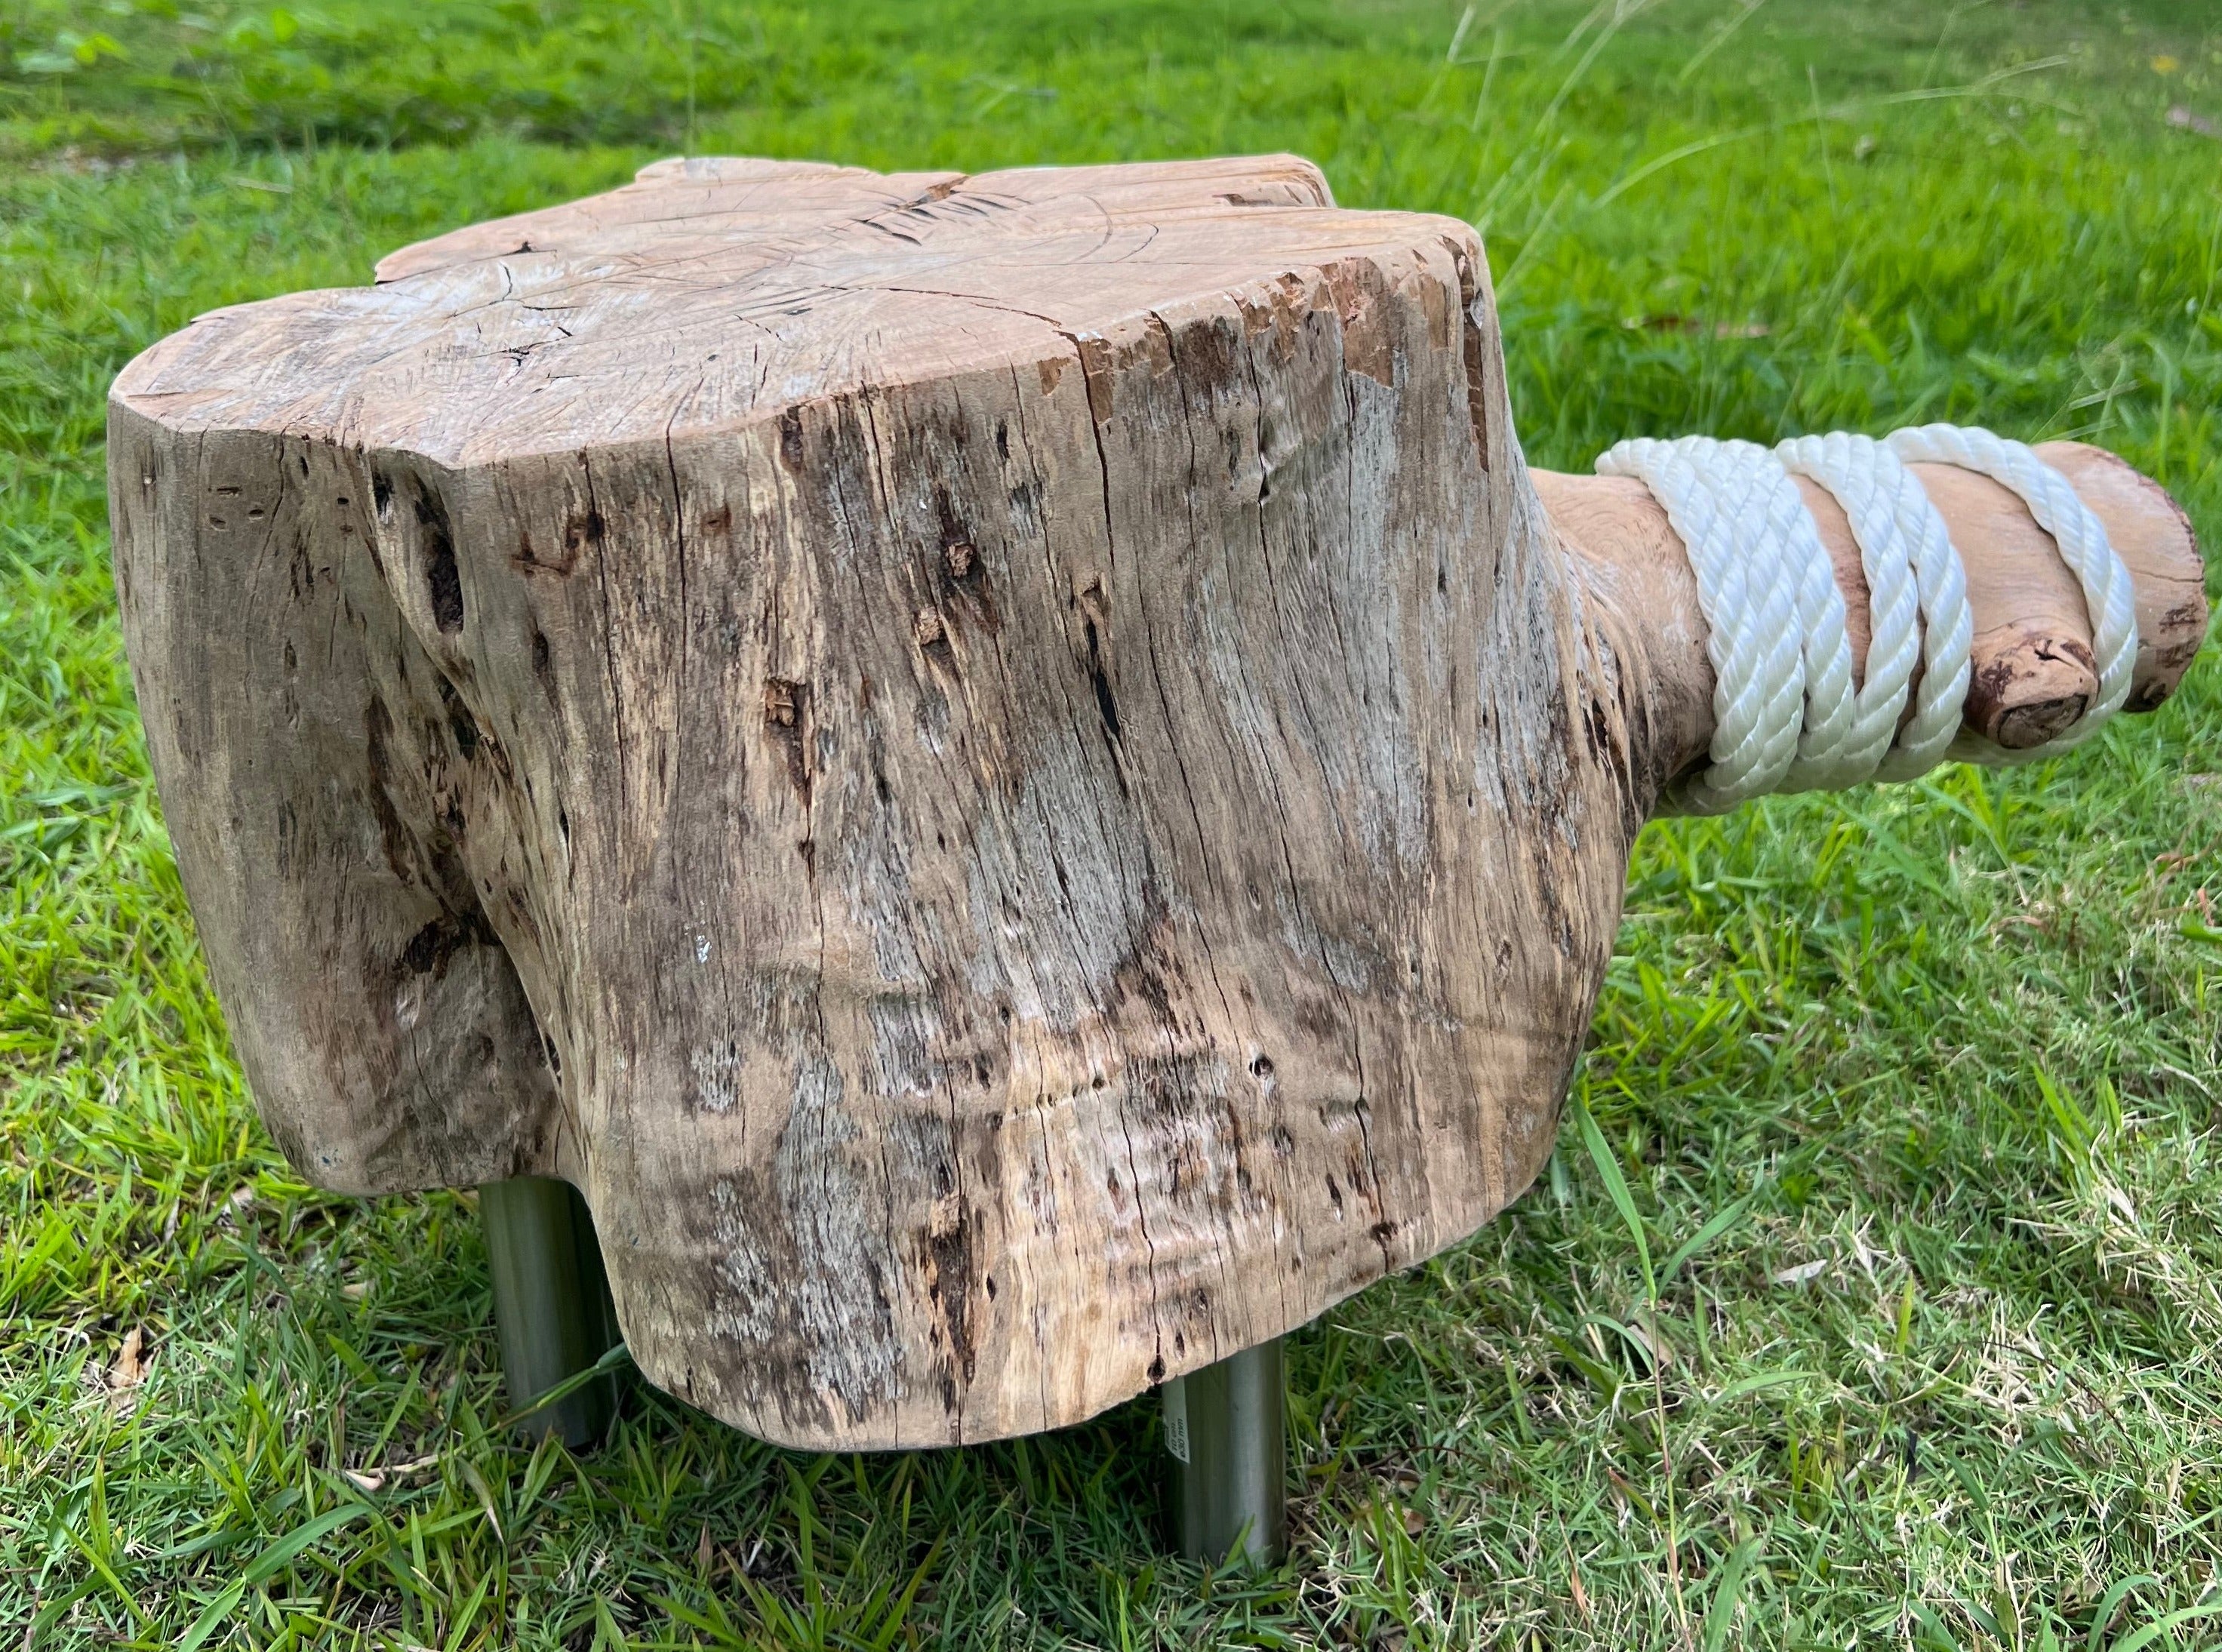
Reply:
x=1721 y=1614
x=2111 y=1602
x=1718 y=1224
x=2168 y=1625
x=1616 y=1186
x=266 y=1565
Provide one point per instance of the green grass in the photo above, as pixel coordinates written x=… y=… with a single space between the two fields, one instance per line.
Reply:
x=1910 y=1096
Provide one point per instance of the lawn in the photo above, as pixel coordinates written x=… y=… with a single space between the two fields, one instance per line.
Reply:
x=1915 y=1089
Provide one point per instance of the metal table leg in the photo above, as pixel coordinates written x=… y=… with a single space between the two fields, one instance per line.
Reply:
x=1225 y=1431
x=551 y=1301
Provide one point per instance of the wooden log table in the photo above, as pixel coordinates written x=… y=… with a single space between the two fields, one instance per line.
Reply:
x=1010 y=775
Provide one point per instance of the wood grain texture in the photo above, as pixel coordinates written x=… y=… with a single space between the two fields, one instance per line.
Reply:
x=1007 y=771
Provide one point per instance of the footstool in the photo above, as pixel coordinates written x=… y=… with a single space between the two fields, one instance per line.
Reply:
x=991 y=791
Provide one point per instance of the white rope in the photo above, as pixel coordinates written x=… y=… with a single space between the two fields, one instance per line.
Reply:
x=1782 y=663
x=1787 y=717
x=2108 y=595
x=1917 y=603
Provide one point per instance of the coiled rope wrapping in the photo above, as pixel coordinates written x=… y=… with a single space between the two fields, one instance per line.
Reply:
x=1787 y=717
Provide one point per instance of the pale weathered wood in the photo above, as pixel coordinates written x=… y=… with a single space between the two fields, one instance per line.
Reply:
x=1007 y=772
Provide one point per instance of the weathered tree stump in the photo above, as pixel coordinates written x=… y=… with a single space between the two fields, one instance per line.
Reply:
x=1009 y=773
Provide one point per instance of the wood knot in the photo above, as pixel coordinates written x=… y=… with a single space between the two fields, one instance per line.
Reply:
x=2024 y=728
x=2030 y=689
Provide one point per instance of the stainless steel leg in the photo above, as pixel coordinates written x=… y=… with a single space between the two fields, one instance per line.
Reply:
x=1225 y=1432
x=551 y=1301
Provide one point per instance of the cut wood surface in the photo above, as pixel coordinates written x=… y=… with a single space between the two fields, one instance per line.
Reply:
x=1008 y=772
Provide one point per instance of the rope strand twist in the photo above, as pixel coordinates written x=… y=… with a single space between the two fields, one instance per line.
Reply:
x=1786 y=715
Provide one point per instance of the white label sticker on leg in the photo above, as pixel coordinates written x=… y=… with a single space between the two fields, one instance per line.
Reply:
x=1176 y=1417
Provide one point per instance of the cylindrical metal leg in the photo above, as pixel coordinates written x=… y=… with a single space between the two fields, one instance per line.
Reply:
x=1225 y=1432
x=551 y=1301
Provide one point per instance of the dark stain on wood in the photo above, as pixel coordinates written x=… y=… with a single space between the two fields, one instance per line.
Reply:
x=442 y=582
x=432 y=947
x=393 y=836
